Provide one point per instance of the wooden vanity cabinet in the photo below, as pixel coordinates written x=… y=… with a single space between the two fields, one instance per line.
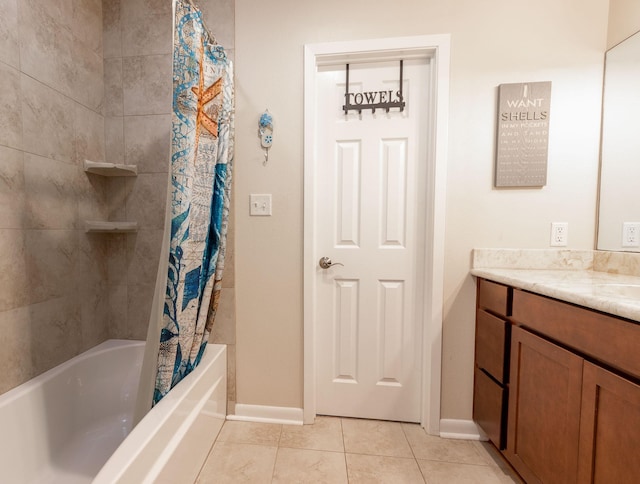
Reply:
x=544 y=410
x=572 y=380
x=609 y=428
x=491 y=359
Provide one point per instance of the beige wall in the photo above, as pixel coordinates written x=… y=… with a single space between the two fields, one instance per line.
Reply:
x=52 y=274
x=492 y=43
x=624 y=20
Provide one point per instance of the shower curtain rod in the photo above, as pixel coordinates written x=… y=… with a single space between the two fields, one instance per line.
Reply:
x=211 y=36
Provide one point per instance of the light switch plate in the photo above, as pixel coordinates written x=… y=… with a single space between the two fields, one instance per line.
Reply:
x=260 y=204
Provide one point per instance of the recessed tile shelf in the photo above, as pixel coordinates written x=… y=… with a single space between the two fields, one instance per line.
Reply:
x=98 y=226
x=110 y=169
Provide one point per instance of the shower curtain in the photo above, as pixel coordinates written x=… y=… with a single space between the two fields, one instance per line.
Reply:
x=200 y=183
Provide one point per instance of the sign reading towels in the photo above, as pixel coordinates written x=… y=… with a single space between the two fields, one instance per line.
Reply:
x=373 y=99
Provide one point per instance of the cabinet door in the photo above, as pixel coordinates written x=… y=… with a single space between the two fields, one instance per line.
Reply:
x=544 y=410
x=609 y=429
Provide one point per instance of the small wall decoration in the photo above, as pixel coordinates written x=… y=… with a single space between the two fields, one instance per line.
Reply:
x=523 y=134
x=265 y=131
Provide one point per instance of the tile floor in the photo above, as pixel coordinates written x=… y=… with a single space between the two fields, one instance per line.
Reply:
x=343 y=450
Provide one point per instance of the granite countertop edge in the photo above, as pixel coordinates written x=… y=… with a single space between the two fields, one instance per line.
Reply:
x=601 y=291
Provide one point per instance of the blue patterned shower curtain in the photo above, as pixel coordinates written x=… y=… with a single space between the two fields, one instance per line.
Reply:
x=201 y=166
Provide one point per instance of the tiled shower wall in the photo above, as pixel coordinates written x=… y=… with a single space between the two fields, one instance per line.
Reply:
x=137 y=78
x=53 y=276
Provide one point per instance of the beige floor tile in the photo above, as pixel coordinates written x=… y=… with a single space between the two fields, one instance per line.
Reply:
x=324 y=434
x=372 y=469
x=375 y=437
x=493 y=456
x=312 y=466
x=237 y=463
x=450 y=473
x=430 y=447
x=250 y=433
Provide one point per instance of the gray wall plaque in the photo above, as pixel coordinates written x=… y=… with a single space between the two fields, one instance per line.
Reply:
x=523 y=134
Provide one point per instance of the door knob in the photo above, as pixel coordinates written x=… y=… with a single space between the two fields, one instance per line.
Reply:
x=325 y=263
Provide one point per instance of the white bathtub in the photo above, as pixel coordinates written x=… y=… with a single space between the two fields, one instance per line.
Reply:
x=73 y=423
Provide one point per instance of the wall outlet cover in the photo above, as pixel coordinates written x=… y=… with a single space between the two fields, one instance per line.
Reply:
x=559 y=234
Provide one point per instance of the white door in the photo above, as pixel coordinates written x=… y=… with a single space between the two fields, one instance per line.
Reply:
x=370 y=217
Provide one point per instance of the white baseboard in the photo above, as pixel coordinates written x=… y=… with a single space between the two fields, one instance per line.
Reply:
x=461 y=429
x=265 y=414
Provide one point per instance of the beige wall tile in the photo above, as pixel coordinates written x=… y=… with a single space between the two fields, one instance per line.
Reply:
x=12 y=203
x=92 y=197
x=14 y=277
x=50 y=256
x=112 y=36
x=140 y=8
x=87 y=85
x=56 y=332
x=113 y=87
x=146 y=198
x=117 y=296
x=51 y=198
x=237 y=463
x=47 y=44
x=119 y=191
x=231 y=379
x=86 y=23
x=48 y=121
x=10 y=107
x=224 y=325
x=147 y=84
x=89 y=135
x=9 y=40
x=114 y=139
x=143 y=252
x=94 y=315
x=147 y=142
x=219 y=15
x=15 y=357
x=139 y=300
x=117 y=261
x=147 y=35
x=59 y=11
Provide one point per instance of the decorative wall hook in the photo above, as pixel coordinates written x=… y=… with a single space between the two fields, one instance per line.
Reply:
x=265 y=131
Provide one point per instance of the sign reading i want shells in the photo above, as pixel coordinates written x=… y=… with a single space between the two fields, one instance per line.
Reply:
x=523 y=134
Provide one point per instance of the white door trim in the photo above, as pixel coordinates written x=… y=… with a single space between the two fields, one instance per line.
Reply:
x=436 y=47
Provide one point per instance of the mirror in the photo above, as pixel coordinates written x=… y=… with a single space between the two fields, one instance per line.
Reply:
x=620 y=153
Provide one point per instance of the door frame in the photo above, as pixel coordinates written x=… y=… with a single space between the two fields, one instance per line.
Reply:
x=437 y=49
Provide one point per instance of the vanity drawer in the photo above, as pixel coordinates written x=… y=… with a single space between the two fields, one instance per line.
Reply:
x=489 y=407
x=491 y=344
x=608 y=339
x=494 y=297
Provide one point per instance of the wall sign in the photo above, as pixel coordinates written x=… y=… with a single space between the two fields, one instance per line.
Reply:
x=523 y=134
x=373 y=99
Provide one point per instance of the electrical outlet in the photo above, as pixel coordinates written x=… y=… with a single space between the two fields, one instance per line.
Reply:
x=559 y=234
x=631 y=234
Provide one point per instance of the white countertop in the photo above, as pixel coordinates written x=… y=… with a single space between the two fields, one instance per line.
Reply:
x=613 y=293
